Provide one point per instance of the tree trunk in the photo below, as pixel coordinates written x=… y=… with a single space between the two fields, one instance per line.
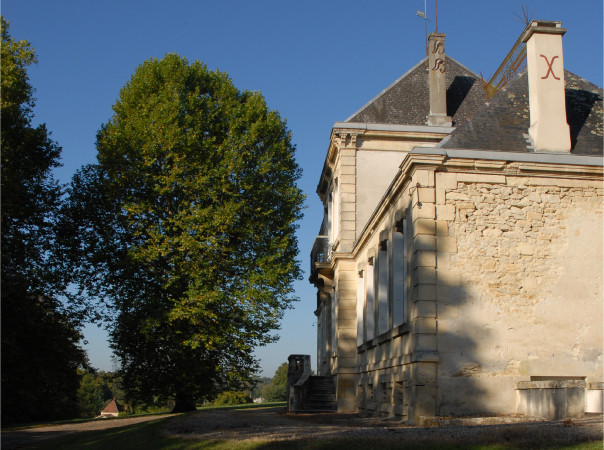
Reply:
x=183 y=403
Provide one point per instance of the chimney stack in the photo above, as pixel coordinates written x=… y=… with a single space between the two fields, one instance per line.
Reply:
x=549 y=130
x=438 y=90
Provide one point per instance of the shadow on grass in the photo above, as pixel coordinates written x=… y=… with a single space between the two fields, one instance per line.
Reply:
x=23 y=426
x=142 y=435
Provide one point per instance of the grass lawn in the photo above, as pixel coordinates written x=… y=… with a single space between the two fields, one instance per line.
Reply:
x=245 y=406
x=22 y=426
x=148 y=436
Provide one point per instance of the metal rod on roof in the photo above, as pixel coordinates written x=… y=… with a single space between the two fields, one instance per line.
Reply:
x=426 y=26
x=424 y=16
x=436 y=13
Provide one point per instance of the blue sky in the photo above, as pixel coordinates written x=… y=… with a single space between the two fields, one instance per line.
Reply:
x=315 y=62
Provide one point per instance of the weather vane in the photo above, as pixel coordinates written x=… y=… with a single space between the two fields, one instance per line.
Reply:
x=424 y=16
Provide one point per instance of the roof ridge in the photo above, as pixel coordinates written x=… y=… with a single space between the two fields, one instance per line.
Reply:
x=465 y=67
x=425 y=58
x=583 y=79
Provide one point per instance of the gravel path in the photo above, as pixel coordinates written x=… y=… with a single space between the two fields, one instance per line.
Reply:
x=29 y=436
x=274 y=424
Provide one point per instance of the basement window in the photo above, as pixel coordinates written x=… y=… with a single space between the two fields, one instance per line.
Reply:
x=550 y=378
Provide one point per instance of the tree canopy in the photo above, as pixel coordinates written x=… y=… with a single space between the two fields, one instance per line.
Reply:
x=186 y=229
x=40 y=337
x=276 y=390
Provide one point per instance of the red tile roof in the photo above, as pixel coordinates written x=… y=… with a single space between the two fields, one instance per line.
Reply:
x=113 y=407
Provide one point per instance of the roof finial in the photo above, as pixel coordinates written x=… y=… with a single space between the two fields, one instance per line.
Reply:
x=436 y=13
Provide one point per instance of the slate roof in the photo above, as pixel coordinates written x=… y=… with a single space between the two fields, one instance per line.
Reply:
x=407 y=100
x=501 y=123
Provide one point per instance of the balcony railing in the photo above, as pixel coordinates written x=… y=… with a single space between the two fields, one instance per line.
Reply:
x=321 y=252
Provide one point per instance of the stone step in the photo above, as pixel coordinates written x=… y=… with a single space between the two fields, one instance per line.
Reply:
x=321 y=395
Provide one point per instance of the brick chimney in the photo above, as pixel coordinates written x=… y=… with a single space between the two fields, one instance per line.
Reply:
x=436 y=73
x=549 y=130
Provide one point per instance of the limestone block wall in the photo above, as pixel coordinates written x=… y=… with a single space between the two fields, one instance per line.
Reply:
x=396 y=369
x=344 y=360
x=518 y=286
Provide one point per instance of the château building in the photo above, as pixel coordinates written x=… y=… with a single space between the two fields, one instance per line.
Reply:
x=459 y=263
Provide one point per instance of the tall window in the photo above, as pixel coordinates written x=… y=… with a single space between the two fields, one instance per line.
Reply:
x=382 y=284
x=336 y=212
x=320 y=339
x=330 y=217
x=324 y=315
x=399 y=270
x=360 y=306
x=370 y=300
x=334 y=320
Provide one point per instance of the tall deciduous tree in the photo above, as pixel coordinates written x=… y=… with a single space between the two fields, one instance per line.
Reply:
x=276 y=390
x=199 y=254
x=40 y=351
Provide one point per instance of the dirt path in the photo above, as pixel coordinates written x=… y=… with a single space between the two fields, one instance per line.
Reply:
x=274 y=424
x=29 y=436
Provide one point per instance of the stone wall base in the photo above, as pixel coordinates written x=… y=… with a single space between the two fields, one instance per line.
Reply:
x=551 y=400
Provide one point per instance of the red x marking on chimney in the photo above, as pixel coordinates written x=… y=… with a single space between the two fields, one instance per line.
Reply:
x=549 y=67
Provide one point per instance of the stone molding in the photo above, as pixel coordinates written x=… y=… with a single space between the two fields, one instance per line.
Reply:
x=409 y=358
x=438 y=159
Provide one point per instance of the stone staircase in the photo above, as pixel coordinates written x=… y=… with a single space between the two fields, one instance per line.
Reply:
x=321 y=395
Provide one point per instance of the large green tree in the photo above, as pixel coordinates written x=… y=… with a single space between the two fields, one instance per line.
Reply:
x=40 y=339
x=192 y=205
x=276 y=390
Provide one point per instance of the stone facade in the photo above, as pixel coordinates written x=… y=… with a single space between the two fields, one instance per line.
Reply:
x=492 y=297
x=508 y=302
x=460 y=281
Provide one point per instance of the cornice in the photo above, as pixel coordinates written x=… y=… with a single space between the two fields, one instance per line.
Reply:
x=440 y=161
x=385 y=205
x=346 y=135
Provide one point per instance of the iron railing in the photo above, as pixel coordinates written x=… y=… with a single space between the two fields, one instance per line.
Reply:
x=321 y=252
x=512 y=65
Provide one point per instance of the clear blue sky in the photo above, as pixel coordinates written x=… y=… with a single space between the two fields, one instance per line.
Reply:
x=316 y=62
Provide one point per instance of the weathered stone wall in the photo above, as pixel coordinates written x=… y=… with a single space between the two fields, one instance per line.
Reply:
x=519 y=286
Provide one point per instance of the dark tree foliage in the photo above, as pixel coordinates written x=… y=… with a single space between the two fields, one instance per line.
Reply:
x=40 y=351
x=97 y=389
x=187 y=230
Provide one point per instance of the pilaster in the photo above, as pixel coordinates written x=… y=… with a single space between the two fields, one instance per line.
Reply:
x=348 y=191
x=422 y=375
x=346 y=350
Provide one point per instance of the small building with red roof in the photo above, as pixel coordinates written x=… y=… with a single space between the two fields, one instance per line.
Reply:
x=112 y=409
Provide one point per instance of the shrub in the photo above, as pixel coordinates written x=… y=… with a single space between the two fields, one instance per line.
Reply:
x=232 y=398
